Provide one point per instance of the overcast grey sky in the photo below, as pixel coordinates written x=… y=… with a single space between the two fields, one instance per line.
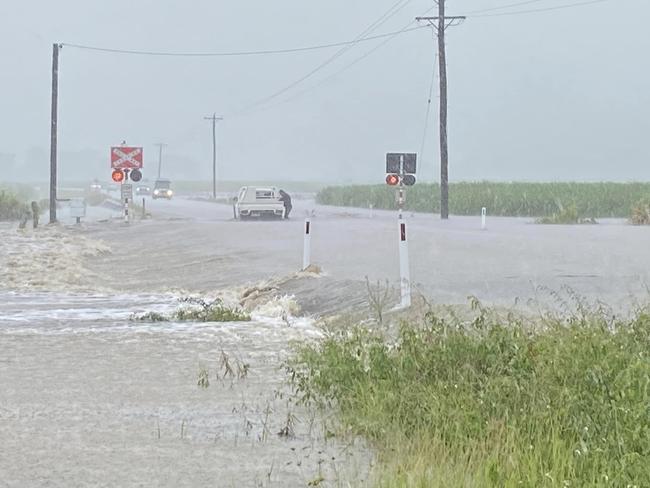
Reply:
x=556 y=95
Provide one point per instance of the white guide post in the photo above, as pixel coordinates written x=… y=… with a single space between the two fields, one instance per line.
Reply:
x=483 y=218
x=126 y=210
x=306 y=253
x=405 y=275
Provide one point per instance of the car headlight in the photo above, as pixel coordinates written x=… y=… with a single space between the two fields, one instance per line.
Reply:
x=155 y=192
x=170 y=193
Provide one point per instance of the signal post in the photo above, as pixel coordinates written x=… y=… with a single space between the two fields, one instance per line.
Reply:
x=126 y=162
x=400 y=172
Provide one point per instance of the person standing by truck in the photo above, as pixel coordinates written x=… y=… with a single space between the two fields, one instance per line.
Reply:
x=286 y=200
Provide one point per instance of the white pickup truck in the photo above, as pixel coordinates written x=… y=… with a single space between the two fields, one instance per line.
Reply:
x=257 y=202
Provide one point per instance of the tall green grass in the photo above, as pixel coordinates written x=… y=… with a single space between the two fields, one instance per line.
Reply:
x=495 y=403
x=591 y=200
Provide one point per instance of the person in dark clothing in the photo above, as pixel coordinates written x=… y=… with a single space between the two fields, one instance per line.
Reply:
x=286 y=200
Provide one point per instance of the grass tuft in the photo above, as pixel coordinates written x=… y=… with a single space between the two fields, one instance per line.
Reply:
x=198 y=310
x=641 y=212
x=12 y=207
x=566 y=216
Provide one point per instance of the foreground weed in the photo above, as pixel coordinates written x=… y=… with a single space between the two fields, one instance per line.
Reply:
x=494 y=402
x=379 y=296
x=204 y=378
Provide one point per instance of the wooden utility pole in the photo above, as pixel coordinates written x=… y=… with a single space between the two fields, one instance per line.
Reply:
x=440 y=24
x=214 y=120
x=160 y=149
x=53 y=130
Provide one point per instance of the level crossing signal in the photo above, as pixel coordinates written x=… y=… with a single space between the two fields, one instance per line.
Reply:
x=117 y=176
x=401 y=169
x=136 y=175
x=120 y=175
x=392 y=179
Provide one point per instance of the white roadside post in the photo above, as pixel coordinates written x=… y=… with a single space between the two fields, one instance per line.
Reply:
x=370 y=207
x=306 y=252
x=126 y=210
x=400 y=172
x=483 y=218
x=404 y=271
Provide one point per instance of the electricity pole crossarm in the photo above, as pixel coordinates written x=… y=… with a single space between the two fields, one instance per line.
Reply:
x=214 y=120
x=440 y=23
x=452 y=20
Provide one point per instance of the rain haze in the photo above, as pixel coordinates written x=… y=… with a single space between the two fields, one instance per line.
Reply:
x=238 y=258
x=550 y=95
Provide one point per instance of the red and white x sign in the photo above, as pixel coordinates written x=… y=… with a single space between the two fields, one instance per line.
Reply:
x=124 y=157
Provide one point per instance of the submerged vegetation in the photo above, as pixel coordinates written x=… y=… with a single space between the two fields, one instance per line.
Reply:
x=641 y=212
x=591 y=200
x=12 y=207
x=566 y=216
x=198 y=310
x=492 y=401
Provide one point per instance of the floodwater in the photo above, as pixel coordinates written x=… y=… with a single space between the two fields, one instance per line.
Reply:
x=90 y=397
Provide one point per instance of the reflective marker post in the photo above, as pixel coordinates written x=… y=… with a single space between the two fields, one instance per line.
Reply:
x=404 y=271
x=126 y=210
x=306 y=252
x=400 y=172
x=483 y=218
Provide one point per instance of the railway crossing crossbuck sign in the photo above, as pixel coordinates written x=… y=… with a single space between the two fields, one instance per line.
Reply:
x=124 y=157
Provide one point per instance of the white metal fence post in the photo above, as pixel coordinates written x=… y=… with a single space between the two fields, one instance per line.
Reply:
x=306 y=253
x=405 y=274
x=483 y=218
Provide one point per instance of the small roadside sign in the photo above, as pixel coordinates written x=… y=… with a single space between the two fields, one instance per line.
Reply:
x=126 y=157
x=127 y=192
x=77 y=208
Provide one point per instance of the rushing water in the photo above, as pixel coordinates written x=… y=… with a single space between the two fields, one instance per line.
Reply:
x=92 y=397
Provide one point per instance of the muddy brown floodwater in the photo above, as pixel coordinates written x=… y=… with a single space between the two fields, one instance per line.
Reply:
x=89 y=397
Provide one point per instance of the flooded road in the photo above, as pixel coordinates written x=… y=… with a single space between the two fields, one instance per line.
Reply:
x=91 y=397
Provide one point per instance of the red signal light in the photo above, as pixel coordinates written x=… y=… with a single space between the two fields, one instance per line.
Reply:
x=117 y=176
x=392 y=180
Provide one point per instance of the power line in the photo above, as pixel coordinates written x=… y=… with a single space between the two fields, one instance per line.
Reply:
x=406 y=28
x=339 y=71
x=238 y=53
x=392 y=11
x=426 y=118
x=501 y=7
x=545 y=9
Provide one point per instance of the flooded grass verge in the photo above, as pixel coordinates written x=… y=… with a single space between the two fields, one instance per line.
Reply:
x=491 y=401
